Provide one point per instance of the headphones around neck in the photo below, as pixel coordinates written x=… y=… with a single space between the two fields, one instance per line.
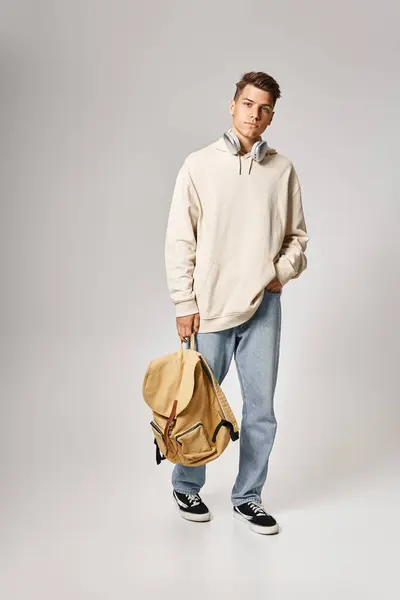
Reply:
x=258 y=150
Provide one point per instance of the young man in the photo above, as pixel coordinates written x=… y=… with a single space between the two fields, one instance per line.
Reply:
x=235 y=236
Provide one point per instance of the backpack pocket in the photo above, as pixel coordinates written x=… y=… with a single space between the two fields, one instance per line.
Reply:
x=193 y=443
x=159 y=436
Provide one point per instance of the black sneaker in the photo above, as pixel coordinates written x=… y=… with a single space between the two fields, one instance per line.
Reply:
x=191 y=507
x=256 y=517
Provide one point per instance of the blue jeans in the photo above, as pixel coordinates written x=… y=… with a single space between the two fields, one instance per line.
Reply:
x=255 y=347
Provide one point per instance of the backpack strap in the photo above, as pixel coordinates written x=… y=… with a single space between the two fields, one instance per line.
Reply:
x=234 y=434
x=191 y=343
x=159 y=457
x=229 y=417
x=168 y=424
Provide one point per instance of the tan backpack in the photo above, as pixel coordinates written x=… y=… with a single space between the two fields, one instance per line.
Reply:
x=192 y=420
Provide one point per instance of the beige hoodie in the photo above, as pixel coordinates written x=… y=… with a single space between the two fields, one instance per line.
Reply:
x=234 y=224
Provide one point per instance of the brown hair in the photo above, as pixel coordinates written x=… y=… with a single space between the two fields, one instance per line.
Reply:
x=260 y=80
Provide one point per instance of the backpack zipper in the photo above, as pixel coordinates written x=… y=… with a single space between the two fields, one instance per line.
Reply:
x=157 y=428
x=187 y=431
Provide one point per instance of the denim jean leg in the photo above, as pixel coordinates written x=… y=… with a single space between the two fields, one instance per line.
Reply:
x=217 y=348
x=257 y=358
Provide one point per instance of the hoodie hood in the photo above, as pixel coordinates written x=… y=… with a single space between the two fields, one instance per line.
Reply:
x=222 y=147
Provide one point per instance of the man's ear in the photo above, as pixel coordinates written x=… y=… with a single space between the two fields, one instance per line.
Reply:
x=231 y=107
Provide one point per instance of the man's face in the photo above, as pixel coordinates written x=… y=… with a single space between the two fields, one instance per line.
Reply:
x=254 y=106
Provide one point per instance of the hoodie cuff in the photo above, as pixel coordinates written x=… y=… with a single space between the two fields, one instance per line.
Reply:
x=284 y=269
x=183 y=309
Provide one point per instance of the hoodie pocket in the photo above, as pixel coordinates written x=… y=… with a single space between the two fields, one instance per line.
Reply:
x=202 y=274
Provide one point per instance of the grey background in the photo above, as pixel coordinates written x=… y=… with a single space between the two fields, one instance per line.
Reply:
x=100 y=104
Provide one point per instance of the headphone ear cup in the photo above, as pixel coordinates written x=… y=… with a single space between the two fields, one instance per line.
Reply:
x=259 y=150
x=232 y=141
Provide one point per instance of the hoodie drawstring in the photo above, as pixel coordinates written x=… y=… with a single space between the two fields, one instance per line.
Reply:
x=240 y=164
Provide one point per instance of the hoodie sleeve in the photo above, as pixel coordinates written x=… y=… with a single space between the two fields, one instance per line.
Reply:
x=292 y=261
x=181 y=242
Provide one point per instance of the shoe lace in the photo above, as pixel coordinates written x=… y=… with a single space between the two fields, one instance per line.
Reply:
x=194 y=499
x=258 y=509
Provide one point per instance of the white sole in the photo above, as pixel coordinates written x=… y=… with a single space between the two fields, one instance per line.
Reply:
x=257 y=528
x=192 y=517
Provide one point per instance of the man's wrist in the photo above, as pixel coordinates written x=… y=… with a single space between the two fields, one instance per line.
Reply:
x=188 y=307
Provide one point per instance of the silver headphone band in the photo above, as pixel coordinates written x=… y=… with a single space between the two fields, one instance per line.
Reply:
x=258 y=150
